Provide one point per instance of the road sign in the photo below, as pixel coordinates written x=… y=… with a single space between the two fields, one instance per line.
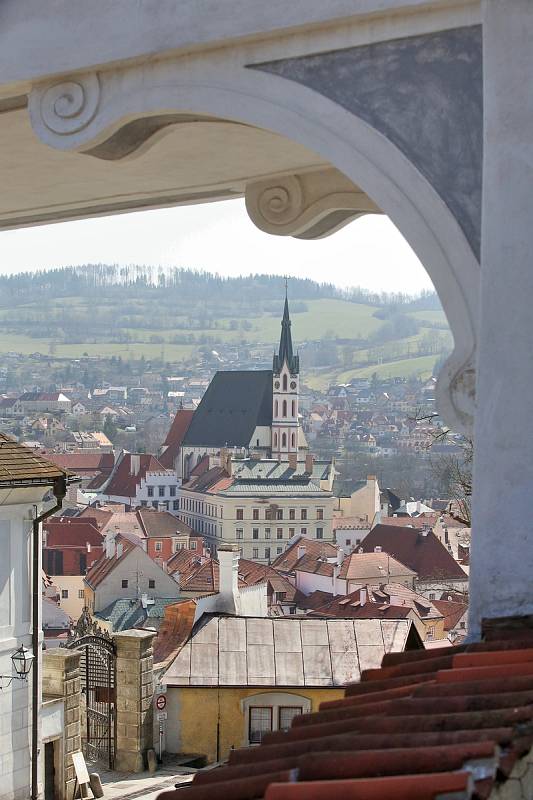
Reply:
x=161 y=702
x=161 y=716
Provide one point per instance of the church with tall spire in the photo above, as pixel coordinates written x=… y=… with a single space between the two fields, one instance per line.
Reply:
x=285 y=394
x=248 y=412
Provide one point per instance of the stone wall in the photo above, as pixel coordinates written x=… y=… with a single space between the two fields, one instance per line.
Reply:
x=135 y=690
x=61 y=679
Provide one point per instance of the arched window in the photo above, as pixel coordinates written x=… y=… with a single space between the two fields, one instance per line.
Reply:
x=294 y=408
x=284 y=440
x=275 y=440
x=285 y=383
x=284 y=408
x=276 y=408
x=293 y=440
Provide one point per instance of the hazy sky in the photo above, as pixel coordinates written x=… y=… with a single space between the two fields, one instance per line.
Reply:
x=219 y=237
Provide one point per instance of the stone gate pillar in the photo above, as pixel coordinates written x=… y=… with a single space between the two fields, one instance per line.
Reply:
x=135 y=689
x=501 y=572
x=61 y=678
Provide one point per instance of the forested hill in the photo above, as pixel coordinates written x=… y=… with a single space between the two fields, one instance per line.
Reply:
x=135 y=311
x=183 y=286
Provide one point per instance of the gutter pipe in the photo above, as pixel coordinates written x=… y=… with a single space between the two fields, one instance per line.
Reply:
x=59 y=489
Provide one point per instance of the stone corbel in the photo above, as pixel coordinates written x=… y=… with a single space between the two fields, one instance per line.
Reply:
x=59 y=111
x=456 y=393
x=310 y=205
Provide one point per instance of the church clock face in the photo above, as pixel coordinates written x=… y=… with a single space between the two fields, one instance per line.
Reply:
x=276 y=385
x=293 y=384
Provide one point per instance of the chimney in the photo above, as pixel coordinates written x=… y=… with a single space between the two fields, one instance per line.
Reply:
x=362 y=595
x=378 y=549
x=228 y=584
x=336 y=570
x=309 y=460
x=161 y=507
x=120 y=549
x=135 y=464
x=110 y=547
x=301 y=550
x=293 y=461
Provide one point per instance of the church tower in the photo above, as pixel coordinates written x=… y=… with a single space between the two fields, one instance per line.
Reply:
x=285 y=388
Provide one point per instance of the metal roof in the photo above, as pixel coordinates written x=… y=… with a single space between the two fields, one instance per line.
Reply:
x=251 y=651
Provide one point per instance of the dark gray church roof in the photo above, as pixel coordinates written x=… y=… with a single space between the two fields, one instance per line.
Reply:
x=234 y=404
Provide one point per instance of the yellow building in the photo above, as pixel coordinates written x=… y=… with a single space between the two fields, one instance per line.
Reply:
x=238 y=678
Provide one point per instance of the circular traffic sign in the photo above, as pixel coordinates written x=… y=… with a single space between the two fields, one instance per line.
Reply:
x=161 y=701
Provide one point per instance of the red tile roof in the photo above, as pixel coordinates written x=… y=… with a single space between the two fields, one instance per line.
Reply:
x=177 y=431
x=72 y=532
x=83 y=463
x=313 y=547
x=125 y=478
x=451 y=722
x=419 y=550
x=104 y=566
x=451 y=611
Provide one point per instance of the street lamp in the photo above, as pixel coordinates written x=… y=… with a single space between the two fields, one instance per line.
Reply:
x=22 y=659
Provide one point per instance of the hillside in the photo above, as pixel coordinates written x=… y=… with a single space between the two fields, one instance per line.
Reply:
x=134 y=312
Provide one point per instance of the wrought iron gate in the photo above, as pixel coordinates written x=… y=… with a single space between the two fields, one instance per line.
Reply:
x=98 y=686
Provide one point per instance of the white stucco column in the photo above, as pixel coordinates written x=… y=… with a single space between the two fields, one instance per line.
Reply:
x=502 y=542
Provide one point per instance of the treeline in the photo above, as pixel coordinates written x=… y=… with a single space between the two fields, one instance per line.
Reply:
x=184 y=285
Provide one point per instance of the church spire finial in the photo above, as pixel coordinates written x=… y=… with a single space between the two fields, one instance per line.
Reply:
x=285 y=352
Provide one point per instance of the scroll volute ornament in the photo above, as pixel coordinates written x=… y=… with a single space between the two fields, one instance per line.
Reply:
x=64 y=109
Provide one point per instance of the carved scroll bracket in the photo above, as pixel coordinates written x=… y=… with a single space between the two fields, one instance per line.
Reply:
x=310 y=205
x=61 y=110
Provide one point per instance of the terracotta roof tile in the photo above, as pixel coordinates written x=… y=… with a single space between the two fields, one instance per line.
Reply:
x=424 y=725
x=21 y=466
x=172 y=443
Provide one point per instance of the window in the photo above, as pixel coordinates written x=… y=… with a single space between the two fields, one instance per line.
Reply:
x=268 y=513
x=432 y=596
x=303 y=513
x=320 y=513
x=320 y=533
x=260 y=723
x=303 y=531
x=193 y=545
x=176 y=505
x=293 y=408
x=239 y=533
x=280 y=596
x=151 y=583
x=276 y=408
x=267 y=533
x=292 y=513
x=255 y=552
x=462 y=624
x=430 y=633
x=284 y=440
x=284 y=409
x=144 y=503
x=64 y=594
x=275 y=440
x=124 y=584
x=292 y=531
x=292 y=610
x=279 y=550
x=150 y=490
x=279 y=533
x=279 y=513
x=81 y=594
x=154 y=503
x=284 y=383
x=286 y=716
x=347 y=542
x=255 y=513
x=172 y=490
x=161 y=491
x=255 y=533
x=293 y=440
x=240 y=513
x=267 y=552
x=158 y=546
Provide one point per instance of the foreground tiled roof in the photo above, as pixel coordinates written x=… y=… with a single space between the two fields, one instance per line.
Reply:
x=21 y=466
x=455 y=723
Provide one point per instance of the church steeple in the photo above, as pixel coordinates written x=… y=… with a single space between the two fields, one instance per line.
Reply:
x=285 y=353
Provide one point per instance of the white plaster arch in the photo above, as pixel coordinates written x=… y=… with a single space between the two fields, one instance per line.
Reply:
x=356 y=149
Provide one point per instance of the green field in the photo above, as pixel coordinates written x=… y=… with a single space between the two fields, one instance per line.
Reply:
x=420 y=367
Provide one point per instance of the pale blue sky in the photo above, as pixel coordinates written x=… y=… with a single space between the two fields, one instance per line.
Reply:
x=219 y=237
